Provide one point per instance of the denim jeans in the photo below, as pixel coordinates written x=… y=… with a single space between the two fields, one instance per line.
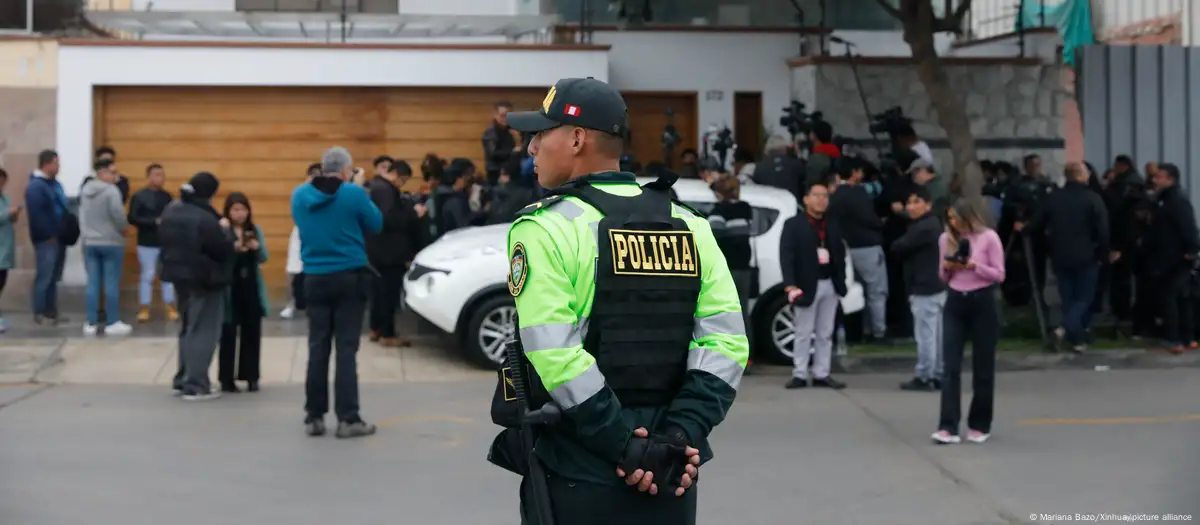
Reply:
x=870 y=264
x=147 y=270
x=1076 y=287
x=50 y=256
x=103 y=270
x=927 y=311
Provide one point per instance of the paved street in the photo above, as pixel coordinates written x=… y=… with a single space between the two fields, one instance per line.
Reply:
x=1065 y=442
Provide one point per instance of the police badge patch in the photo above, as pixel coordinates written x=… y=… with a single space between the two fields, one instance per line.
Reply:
x=518 y=270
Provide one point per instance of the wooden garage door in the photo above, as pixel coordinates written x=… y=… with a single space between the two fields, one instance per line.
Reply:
x=259 y=141
x=648 y=118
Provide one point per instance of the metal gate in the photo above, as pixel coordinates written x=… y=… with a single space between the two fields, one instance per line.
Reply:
x=1137 y=100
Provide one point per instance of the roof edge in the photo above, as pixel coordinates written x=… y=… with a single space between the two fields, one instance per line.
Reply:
x=88 y=42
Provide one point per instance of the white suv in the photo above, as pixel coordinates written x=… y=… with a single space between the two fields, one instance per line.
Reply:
x=458 y=283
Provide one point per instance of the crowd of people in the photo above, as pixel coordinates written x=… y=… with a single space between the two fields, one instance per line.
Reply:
x=930 y=259
x=935 y=263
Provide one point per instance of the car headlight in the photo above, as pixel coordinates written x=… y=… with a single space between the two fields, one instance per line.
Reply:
x=474 y=252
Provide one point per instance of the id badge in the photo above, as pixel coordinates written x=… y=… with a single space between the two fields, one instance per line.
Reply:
x=822 y=256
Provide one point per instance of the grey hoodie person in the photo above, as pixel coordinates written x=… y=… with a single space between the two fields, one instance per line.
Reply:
x=101 y=214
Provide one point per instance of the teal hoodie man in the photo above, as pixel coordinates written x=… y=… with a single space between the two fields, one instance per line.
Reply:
x=332 y=217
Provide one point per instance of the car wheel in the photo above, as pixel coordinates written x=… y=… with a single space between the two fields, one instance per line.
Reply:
x=774 y=332
x=491 y=325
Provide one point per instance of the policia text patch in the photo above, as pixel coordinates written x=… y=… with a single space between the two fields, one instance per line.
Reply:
x=639 y=252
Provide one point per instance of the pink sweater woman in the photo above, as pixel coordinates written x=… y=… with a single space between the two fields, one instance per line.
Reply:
x=972 y=264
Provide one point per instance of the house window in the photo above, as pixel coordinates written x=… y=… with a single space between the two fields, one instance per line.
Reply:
x=390 y=7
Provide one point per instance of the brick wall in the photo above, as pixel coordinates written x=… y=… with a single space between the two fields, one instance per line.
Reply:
x=1155 y=31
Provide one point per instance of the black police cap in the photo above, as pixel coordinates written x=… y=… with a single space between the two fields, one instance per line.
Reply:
x=581 y=102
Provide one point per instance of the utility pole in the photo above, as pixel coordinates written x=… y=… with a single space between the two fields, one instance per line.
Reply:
x=344 y=17
x=29 y=16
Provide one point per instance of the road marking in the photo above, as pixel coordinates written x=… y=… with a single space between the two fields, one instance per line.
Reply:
x=1108 y=420
x=391 y=422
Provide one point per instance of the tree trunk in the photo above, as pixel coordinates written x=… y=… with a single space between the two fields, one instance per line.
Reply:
x=951 y=112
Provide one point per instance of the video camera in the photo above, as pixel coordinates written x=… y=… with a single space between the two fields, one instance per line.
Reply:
x=890 y=121
x=719 y=141
x=797 y=121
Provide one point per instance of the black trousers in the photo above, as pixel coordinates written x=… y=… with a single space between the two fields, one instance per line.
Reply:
x=1176 y=309
x=1040 y=247
x=298 y=299
x=1147 y=306
x=579 y=503
x=386 y=299
x=1120 y=289
x=336 y=303
x=3 y=280
x=969 y=317
x=241 y=349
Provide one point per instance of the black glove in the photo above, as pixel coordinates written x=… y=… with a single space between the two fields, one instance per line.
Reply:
x=675 y=435
x=657 y=454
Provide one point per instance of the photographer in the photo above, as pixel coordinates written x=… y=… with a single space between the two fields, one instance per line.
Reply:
x=824 y=152
x=852 y=207
x=1021 y=202
x=906 y=138
x=778 y=169
x=921 y=173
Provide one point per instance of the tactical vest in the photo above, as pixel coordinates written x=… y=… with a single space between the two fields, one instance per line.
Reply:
x=643 y=312
x=647 y=285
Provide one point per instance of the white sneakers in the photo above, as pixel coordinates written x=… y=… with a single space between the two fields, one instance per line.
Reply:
x=117 y=328
x=288 y=312
x=943 y=437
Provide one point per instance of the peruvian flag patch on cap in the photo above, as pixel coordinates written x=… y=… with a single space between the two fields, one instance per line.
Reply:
x=571 y=110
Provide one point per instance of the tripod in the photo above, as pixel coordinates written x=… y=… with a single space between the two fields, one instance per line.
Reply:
x=862 y=95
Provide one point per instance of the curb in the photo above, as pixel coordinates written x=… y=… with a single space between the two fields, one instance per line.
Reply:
x=1098 y=360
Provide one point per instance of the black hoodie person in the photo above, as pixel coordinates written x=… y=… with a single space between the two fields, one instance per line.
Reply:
x=195 y=253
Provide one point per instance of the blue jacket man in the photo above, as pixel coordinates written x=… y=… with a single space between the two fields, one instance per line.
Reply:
x=333 y=219
x=46 y=204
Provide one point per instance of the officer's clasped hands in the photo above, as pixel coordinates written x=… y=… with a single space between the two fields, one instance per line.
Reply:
x=659 y=457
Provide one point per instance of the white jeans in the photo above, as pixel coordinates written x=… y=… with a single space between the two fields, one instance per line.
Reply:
x=148 y=268
x=813 y=327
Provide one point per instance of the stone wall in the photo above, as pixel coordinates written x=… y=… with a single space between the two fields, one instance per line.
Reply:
x=1015 y=107
x=27 y=122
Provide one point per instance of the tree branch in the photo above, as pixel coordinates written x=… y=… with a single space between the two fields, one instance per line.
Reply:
x=960 y=13
x=890 y=10
x=953 y=22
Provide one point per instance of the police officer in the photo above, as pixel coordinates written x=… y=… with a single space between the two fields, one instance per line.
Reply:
x=628 y=318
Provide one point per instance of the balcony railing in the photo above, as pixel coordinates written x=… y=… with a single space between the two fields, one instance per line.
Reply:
x=833 y=14
x=991 y=18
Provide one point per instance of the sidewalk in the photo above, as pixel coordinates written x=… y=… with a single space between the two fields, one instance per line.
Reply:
x=152 y=361
x=30 y=353
x=1013 y=361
